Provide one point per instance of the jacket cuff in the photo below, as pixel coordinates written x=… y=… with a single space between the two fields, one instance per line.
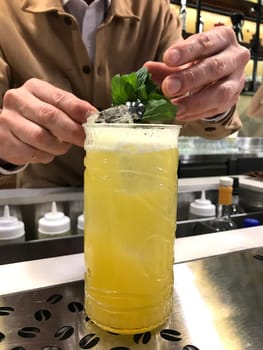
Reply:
x=9 y=169
x=222 y=116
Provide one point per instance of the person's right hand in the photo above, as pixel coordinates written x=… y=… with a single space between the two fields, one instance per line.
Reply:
x=40 y=121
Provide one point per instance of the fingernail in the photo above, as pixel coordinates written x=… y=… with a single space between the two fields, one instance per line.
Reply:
x=91 y=111
x=171 y=57
x=173 y=86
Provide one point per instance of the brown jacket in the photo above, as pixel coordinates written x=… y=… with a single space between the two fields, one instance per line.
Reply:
x=38 y=39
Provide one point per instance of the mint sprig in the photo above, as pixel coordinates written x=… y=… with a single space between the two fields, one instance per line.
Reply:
x=139 y=86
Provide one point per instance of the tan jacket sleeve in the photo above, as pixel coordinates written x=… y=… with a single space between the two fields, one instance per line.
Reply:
x=4 y=78
x=212 y=130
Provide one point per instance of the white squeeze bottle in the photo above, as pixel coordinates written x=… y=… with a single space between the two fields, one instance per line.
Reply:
x=202 y=208
x=54 y=224
x=12 y=230
x=80 y=224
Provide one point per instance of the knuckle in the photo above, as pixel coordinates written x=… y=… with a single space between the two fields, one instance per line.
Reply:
x=217 y=64
x=190 y=77
x=226 y=92
x=47 y=158
x=39 y=136
x=205 y=40
x=9 y=97
x=244 y=54
x=62 y=149
x=30 y=82
x=241 y=56
x=58 y=97
x=229 y=33
x=47 y=114
x=189 y=49
x=5 y=125
x=41 y=157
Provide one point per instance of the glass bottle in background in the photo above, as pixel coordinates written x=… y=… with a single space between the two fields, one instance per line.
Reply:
x=237 y=20
x=223 y=220
x=235 y=207
x=183 y=13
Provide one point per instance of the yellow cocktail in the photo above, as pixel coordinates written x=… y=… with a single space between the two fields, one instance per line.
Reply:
x=130 y=200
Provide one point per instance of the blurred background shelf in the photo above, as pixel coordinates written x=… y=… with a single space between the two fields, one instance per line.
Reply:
x=230 y=156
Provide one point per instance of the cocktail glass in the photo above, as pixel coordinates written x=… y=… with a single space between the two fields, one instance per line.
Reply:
x=130 y=204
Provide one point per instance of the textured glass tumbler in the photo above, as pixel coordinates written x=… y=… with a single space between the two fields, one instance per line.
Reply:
x=130 y=203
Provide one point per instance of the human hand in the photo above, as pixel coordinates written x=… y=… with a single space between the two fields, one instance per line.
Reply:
x=203 y=74
x=39 y=121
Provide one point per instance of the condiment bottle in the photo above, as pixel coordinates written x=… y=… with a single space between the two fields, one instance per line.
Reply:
x=12 y=230
x=202 y=208
x=80 y=224
x=54 y=224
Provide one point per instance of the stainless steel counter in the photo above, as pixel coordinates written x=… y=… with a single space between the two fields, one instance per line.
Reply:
x=218 y=290
x=218 y=305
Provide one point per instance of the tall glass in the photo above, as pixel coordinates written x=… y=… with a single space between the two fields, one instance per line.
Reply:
x=130 y=202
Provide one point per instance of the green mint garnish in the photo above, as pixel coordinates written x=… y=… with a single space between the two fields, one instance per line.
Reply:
x=138 y=86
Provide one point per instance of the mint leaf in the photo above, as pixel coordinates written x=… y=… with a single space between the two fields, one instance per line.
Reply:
x=138 y=86
x=159 y=111
x=123 y=88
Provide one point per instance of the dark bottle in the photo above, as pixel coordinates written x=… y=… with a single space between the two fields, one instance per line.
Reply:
x=235 y=207
x=223 y=220
x=237 y=20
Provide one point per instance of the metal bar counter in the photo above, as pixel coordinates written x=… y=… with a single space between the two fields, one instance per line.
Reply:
x=218 y=300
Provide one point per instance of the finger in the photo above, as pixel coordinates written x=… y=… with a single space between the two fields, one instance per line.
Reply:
x=45 y=115
x=199 y=46
x=32 y=142
x=38 y=137
x=17 y=152
x=209 y=101
x=76 y=108
x=199 y=74
x=159 y=71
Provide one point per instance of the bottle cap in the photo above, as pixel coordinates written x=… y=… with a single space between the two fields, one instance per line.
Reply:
x=54 y=222
x=10 y=226
x=202 y=207
x=81 y=222
x=250 y=222
x=226 y=181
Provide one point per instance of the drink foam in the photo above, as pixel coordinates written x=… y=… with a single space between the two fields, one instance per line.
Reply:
x=141 y=137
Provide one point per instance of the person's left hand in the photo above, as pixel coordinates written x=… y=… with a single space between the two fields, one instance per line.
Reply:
x=203 y=74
